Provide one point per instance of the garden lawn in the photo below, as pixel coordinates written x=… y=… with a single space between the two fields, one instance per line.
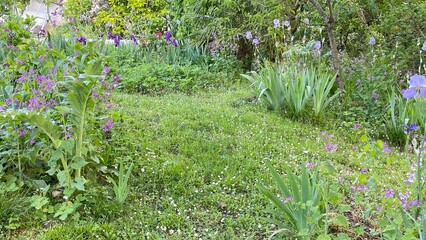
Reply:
x=198 y=159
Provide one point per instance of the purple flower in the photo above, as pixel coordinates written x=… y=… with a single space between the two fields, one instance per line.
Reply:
x=33 y=103
x=360 y=187
x=174 y=42
x=357 y=125
x=276 y=23
x=116 y=78
x=410 y=179
x=372 y=41
x=287 y=199
x=5 y=65
x=32 y=141
x=330 y=147
x=424 y=46
x=375 y=95
x=133 y=38
x=329 y=137
x=178 y=22
x=364 y=170
x=309 y=165
x=168 y=35
x=106 y=70
x=317 y=45
x=389 y=193
x=386 y=148
x=414 y=203
x=110 y=35
x=108 y=124
x=286 y=23
x=411 y=128
x=255 y=41
x=249 y=35
x=417 y=83
x=82 y=40
x=117 y=39
x=306 y=21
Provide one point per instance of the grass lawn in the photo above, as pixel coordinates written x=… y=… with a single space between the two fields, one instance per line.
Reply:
x=198 y=159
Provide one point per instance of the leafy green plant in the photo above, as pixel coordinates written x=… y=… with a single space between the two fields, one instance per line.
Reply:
x=299 y=84
x=299 y=208
x=323 y=83
x=270 y=83
x=122 y=187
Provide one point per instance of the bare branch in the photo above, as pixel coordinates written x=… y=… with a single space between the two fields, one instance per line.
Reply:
x=320 y=10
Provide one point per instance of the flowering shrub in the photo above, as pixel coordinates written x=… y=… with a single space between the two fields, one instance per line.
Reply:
x=53 y=117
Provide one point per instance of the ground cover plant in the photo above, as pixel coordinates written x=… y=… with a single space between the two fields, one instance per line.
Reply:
x=178 y=122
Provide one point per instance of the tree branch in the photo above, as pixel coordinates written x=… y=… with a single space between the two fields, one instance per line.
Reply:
x=320 y=10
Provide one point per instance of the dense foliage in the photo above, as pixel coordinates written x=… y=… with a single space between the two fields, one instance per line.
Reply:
x=187 y=122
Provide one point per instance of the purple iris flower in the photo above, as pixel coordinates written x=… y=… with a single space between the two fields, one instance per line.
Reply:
x=82 y=40
x=117 y=39
x=133 y=38
x=168 y=35
x=417 y=84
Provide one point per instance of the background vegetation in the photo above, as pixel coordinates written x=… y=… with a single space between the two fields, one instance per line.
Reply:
x=188 y=119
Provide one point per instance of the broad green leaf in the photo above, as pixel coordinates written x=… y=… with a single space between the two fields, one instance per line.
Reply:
x=57 y=154
x=68 y=145
x=78 y=163
x=62 y=178
x=79 y=183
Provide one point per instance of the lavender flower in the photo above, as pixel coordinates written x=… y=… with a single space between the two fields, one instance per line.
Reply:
x=360 y=187
x=249 y=35
x=410 y=178
x=411 y=128
x=357 y=125
x=424 y=46
x=287 y=199
x=255 y=41
x=372 y=41
x=417 y=84
x=276 y=23
x=178 y=22
x=310 y=165
x=286 y=23
x=386 y=148
x=306 y=21
x=389 y=193
x=106 y=70
x=108 y=124
x=317 y=45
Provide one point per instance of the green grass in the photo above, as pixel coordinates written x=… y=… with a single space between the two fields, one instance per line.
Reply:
x=198 y=159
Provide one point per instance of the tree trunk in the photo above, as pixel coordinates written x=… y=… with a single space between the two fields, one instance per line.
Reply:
x=329 y=21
